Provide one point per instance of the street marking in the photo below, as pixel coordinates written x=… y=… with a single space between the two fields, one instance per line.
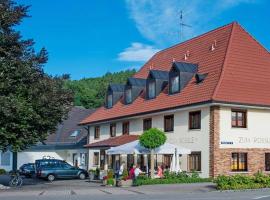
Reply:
x=106 y=192
x=72 y=192
x=41 y=193
x=261 y=197
x=137 y=192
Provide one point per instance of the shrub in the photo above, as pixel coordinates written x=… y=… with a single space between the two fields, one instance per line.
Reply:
x=170 y=178
x=110 y=181
x=152 y=138
x=110 y=174
x=125 y=175
x=97 y=173
x=2 y=171
x=238 y=182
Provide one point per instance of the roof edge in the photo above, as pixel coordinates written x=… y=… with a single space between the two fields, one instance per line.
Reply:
x=224 y=61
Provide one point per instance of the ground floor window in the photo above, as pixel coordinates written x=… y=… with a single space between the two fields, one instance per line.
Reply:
x=239 y=162
x=96 y=158
x=267 y=162
x=5 y=158
x=166 y=161
x=130 y=161
x=194 y=161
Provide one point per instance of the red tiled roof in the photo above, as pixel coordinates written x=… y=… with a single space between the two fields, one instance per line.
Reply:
x=113 y=142
x=238 y=72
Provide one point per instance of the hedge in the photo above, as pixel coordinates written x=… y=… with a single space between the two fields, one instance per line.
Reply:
x=171 y=178
x=240 y=182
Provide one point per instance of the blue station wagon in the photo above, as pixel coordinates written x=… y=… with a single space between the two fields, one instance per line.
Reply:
x=52 y=169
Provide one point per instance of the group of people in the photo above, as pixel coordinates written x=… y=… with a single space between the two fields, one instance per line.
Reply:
x=135 y=171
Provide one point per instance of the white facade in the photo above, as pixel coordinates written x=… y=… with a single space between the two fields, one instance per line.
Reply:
x=69 y=156
x=6 y=159
x=256 y=135
x=196 y=140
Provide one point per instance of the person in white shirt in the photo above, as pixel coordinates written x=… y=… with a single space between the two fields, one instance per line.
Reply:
x=137 y=171
x=121 y=170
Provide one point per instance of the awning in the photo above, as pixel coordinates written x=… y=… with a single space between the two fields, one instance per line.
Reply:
x=135 y=148
x=112 y=142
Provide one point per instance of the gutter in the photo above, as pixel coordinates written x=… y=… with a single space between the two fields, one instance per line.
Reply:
x=180 y=108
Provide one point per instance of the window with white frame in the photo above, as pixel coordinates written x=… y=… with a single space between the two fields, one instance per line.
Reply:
x=128 y=96
x=151 y=90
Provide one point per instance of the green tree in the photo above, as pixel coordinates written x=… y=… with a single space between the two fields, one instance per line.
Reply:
x=32 y=103
x=152 y=139
x=90 y=92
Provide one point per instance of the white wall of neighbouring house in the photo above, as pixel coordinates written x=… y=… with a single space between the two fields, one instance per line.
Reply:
x=255 y=135
x=6 y=159
x=196 y=140
x=31 y=156
x=67 y=155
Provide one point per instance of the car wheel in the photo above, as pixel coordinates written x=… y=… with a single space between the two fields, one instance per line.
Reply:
x=82 y=176
x=51 y=177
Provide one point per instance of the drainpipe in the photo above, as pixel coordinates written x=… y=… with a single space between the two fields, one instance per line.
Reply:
x=14 y=161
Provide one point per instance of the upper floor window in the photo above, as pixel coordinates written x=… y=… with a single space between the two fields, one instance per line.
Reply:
x=239 y=162
x=147 y=124
x=239 y=118
x=125 y=128
x=168 y=123
x=195 y=120
x=151 y=90
x=97 y=132
x=110 y=100
x=175 y=86
x=128 y=96
x=113 y=130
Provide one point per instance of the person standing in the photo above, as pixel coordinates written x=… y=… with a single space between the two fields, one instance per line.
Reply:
x=137 y=171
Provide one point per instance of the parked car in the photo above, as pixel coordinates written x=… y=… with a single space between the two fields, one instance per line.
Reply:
x=27 y=170
x=52 y=169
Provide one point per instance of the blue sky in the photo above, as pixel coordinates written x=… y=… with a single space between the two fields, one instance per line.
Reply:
x=89 y=38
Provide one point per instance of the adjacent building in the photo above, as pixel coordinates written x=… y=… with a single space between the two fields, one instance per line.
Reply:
x=210 y=94
x=66 y=143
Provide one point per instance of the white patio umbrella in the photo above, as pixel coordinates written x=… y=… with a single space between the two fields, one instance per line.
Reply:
x=135 y=148
x=175 y=164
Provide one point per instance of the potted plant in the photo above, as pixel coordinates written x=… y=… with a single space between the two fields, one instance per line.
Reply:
x=125 y=181
x=92 y=173
x=104 y=180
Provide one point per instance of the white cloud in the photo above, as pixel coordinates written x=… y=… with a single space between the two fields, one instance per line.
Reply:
x=158 y=20
x=137 y=52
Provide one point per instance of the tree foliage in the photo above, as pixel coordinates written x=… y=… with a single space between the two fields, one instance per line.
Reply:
x=152 y=138
x=90 y=92
x=32 y=103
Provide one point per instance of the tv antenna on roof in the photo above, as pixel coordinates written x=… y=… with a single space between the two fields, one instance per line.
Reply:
x=182 y=26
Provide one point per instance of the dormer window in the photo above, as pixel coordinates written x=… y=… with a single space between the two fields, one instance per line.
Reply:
x=175 y=86
x=109 y=101
x=152 y=90
x=128 y=96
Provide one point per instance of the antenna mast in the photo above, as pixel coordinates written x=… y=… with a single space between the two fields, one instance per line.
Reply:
x=182 y=25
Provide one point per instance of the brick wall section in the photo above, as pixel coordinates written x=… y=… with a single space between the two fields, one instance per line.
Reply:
x=220 y=159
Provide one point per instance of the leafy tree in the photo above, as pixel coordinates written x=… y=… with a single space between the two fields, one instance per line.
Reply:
x=152 y=139
x=32 y=103
x=90 y=92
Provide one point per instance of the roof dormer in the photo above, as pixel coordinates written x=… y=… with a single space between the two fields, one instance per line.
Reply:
x=156 y=82
x=133 y=89
x=180 y=74
x=114 y=93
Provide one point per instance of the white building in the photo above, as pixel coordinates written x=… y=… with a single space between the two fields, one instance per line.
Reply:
x=210 y=94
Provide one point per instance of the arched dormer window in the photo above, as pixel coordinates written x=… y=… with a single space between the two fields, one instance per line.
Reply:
x=128 y=96
x=110 y=101
x=152 y=89
x=175 y=84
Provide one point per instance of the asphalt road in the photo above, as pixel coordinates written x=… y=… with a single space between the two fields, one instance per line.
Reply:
x=82 y=190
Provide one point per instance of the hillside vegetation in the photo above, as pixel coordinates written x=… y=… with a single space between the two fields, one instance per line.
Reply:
x=90 y=92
